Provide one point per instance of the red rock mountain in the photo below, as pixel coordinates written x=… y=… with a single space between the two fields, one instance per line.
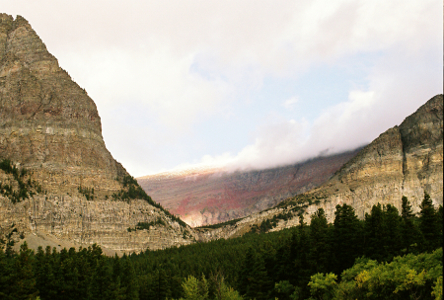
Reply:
x=209 y=196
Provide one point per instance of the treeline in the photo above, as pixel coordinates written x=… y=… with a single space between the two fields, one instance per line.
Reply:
x=388 y=255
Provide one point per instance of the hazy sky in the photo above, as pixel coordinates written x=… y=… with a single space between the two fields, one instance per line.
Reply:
x=244 y=83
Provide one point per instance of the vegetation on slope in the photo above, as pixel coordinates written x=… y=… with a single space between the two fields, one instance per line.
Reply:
x=20 y=186
x=385 y=256
x=132 y=190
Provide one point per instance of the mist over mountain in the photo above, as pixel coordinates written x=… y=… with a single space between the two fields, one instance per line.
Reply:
x=204 y=196
x=405 y=160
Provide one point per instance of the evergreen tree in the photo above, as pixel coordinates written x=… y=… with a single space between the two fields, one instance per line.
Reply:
x=22 y=277
x=320 y=246
x=347 y=238
x=5 y=274
x=45 y=279
x=410 y=235
x=101 y=279
x=161 y=286
x=428 y=224
x=393 y=238
x=194 y=289
x=255 y=283
x=303 y=265
x=128 y=281
x=440 y=225
x=374 y=232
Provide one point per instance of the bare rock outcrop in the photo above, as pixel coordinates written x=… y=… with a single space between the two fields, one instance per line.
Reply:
x=406 y=160
x=73 y=187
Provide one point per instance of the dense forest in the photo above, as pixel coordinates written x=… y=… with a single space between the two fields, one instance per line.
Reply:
x=388 y=255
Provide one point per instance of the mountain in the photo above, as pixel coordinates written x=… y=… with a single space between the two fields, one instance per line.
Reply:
x=208 y=196
x=406 y=160
x=57 y=178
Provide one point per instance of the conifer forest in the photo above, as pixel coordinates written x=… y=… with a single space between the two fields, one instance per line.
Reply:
x=388 y=255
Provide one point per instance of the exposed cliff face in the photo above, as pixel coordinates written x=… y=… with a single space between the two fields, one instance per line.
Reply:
x=406 y=160
x=203 y=197
x=51 y=127
x=48 y=123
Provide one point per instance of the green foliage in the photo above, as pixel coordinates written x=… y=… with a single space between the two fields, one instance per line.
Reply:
x=406 y=277
x=298 y=263
x=22 y=279
x=323 y=286
x=146 y=225
x=429 y=224
x=195 y=289
x=87 y=192
x=347 y=237
x=218 y=225
x=132 y=190
x=437 y=289
x=221 y=290
x=26 y=187
x=268 y=224
x=382 y=232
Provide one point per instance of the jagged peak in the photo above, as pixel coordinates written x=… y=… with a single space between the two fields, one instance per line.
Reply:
x=20 y=21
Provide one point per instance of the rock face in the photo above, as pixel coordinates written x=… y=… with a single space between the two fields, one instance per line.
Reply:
x=51 y=127
x=48 y=123
x=406 y=160
x=209 y=196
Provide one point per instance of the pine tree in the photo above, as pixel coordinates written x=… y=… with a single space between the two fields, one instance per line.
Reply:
x=428 y=224
x=161 y=285
x=101 y=279
x=392 y=224
x=129 y=281
x=347 y=238
x=255 y=282
x=303 y=264
x=195 y=289
x=320 y=247
x=5 y=275
x=410 y=235
x=374 y=232
x=22 y=277
x=45 y=279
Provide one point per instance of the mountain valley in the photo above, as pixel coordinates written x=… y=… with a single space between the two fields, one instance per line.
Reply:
x=61 y=186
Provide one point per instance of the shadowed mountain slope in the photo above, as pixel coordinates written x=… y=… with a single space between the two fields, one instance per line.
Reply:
x=209 y=196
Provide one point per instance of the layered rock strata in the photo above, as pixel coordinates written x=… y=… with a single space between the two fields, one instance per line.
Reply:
x=48 y=123
x=406 y=160
x=51 y=127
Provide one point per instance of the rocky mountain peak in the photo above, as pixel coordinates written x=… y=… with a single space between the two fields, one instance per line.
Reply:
x=48 y=123
x=406 y=160
x=58 y=181
x=425 y=126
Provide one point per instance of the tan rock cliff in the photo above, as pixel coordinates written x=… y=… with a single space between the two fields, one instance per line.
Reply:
x=406 y=160
x=51 y=127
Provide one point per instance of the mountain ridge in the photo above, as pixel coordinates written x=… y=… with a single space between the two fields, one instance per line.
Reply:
x=208 y=196
x=405 y=160
x=51 y=135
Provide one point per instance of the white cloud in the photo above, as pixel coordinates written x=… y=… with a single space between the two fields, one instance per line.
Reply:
x=173 y=64
x=290 y=103
x=398 y=85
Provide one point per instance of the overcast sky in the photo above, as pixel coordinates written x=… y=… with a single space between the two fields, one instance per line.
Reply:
x=243 y=83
